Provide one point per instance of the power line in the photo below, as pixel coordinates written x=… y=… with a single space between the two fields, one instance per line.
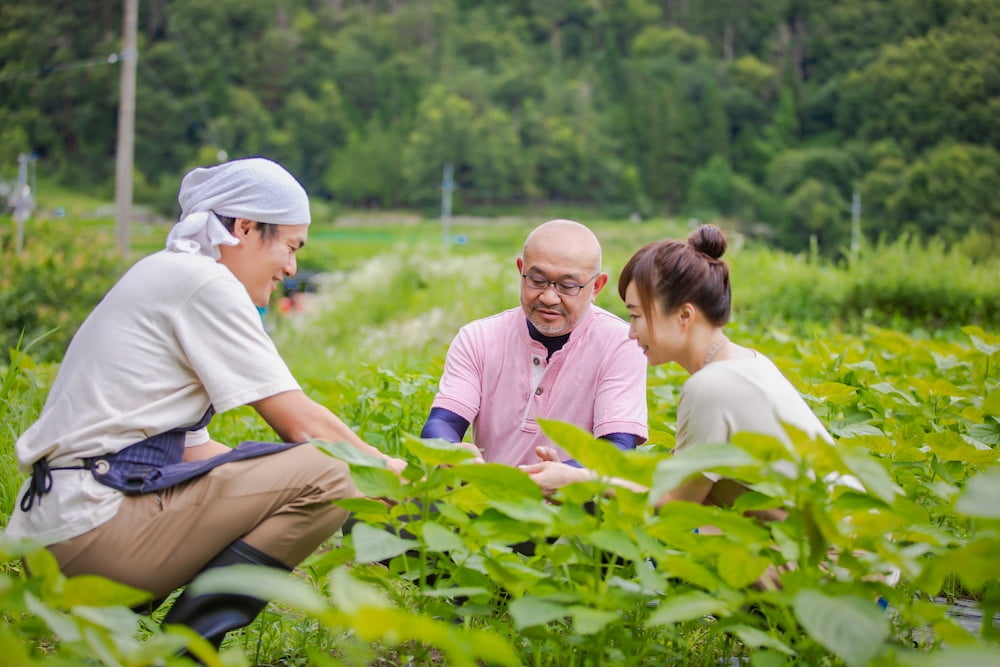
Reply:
x=109 y=59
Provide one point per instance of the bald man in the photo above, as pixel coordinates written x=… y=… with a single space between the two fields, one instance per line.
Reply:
x=558 y=357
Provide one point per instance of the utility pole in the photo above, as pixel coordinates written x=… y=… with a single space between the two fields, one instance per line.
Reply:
x=447 y=185
x=126 y=126
x=855 y=224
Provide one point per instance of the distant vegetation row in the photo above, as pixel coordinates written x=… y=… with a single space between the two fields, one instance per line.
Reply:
x=67 y=267
x=770 y=114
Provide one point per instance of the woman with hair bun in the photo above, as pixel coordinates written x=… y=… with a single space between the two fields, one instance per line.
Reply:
x=678 y=297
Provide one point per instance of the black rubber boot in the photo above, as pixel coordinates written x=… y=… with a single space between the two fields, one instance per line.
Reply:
x=213 y=615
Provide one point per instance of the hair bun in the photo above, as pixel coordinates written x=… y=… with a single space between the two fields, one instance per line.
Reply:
x=708 y=239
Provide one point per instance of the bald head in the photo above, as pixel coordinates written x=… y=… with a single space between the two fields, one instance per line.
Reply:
x=564 y=241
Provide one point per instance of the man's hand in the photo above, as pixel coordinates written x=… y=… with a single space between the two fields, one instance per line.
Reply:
x=472 y=448
x=550 y=473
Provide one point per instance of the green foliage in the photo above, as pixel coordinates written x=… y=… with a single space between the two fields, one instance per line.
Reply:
x=479 y=568
x=628 y=106
x=48 y=289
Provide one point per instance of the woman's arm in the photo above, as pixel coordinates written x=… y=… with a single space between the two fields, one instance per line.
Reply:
x=295 y=418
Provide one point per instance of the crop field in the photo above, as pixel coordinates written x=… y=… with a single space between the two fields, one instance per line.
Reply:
x=896 y=350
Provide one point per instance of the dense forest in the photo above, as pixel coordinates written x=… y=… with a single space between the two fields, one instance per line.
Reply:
x=769 y=113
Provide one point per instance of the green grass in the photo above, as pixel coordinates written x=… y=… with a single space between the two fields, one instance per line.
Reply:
x=920 y=404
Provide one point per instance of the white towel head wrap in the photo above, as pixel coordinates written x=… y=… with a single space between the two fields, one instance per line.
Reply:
x=252 y=188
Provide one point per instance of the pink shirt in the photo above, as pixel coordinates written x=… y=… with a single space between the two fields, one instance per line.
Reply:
x=497 y=378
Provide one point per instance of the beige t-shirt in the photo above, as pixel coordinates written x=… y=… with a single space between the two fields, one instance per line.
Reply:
x=741 y=395
x=177 y=333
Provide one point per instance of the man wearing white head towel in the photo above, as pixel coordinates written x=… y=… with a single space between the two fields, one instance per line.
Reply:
x=125 y=480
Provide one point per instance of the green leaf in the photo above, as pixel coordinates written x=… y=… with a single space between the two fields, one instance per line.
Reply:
x=991 y=404
x=588 y=621
x=368 y=510
x=981 y=497
x=741 y=569
x=531 y=611
x=351 y=595
x=978 y=337
x=752 y=637
x=988 y=432
x=974 y=656
x=435 y=451
x=260 y=582
x=687 y=607
x=871 y=473
x=100 y=592
x=499 y=482
x=600 y=455
x=61 y=625
x=372 y=545
x=672 y=472
x=949 y=446
x=524 y=509
x=615 y=541
x=833 y=392
x=440 y=539
x=852 y=628
x=349 y=454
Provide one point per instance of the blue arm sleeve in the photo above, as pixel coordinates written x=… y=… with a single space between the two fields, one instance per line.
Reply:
x=623 y=441
x=445 y=424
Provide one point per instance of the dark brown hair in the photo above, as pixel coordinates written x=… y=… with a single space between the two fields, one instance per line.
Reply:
x=268 y=231
x=672 y=273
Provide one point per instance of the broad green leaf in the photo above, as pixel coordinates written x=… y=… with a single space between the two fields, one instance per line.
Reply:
x=499 y=482
x=440 y=539
x=349 y=454
x=688 y=517
x=260 y=582
x=615 y=541
x=988 y=432
x=600 y=455
x=61 y=625
x=351 y=595
x=833 y=392
x=871 y=473
x=379 y=482
x=687 y=607
x=672 y=472
x=436 y=451
x=972 y=656
x=686 y=568
x=851 y=627
x=979 y=340
x=372 y=545
x=991 y=404
x=117 y=619
x=524 y=509
x=949 y=446
x=741 y=569
x=587 y=620
x=888 y=389
x=100 y=592
x=755 y=638
x=981 y=497
x=365 y=509
x=530 y=611
x=855 y=430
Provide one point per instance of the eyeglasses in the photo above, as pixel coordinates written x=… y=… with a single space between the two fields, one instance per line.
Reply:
x=564 y=287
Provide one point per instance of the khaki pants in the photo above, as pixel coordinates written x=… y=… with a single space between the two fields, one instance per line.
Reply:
x=279 y=503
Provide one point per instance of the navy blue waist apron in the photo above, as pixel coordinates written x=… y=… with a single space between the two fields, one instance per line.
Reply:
x=149 y=465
